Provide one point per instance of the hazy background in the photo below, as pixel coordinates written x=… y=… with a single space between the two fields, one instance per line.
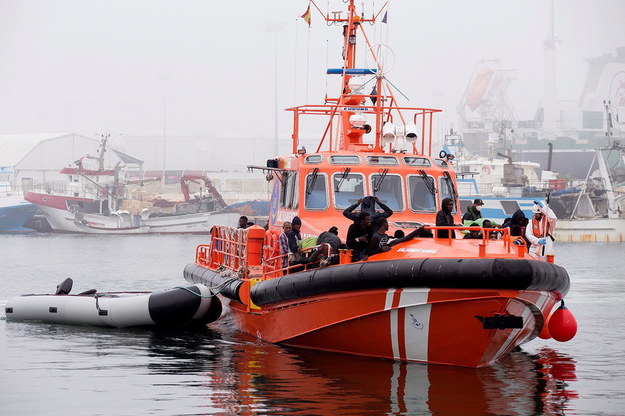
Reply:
x=202 y=73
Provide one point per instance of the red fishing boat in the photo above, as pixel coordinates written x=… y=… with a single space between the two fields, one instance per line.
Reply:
x=444 y=300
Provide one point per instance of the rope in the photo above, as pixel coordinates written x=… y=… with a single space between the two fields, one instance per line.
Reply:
x=215 y=290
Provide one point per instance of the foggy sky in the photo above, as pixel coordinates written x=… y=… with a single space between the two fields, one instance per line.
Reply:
x=206 y=67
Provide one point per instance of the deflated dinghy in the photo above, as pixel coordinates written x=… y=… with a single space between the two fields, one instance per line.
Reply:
x=169 y=308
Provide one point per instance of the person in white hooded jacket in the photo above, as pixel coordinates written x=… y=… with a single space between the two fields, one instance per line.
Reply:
x=541 y=227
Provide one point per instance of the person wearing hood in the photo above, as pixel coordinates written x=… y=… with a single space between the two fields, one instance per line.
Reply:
x=367 y=204
x=445 y=219
x=541 y=227
x=473 y=211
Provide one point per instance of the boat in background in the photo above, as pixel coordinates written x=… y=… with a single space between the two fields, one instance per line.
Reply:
x=99 y=200
x=15 y=214
x=430 y=297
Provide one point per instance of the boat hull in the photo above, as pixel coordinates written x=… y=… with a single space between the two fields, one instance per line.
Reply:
x=465 y=312
x=171 y=308
x=14 y=214
x=607 y=230
x=423 y=325
x=63 y=221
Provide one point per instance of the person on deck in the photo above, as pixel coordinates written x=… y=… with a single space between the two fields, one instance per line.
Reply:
x=294 y=239
x=473 y=211
x=358 y=236
x=473 y=234
x=381 y=242
x=367 y=204
x=445 y=219
x=283 y=241
x=243 y=222
x=541 y=227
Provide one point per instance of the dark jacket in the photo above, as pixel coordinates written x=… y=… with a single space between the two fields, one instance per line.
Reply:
x=379 y=240
x=294 y=237
x=445 y=219
x=330 y=238
x=361 y=248
x=368 y=205
x=472 y=214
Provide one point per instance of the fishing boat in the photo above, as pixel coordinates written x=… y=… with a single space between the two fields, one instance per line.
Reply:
x=430 y=299
x=15 y=213
x=98 y=200
x=169 y=308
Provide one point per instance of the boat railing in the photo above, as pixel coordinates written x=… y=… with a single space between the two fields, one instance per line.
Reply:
x=255 y=252
x=63 y=188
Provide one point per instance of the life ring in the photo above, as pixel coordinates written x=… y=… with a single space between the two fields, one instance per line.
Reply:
x=486 y=170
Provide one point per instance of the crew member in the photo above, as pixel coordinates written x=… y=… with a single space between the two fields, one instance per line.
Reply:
x=540 y=228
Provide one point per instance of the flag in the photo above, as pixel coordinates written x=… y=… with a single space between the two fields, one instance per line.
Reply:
x=306 y=15
x=384 y=18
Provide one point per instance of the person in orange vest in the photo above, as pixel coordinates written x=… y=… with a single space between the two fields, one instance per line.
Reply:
x=541 y=227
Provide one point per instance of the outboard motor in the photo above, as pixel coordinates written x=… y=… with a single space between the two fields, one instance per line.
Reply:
x=64 y=287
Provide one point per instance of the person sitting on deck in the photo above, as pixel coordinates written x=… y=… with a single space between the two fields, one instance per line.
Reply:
x=367 y=204
x=445 y=219
x=329 y=244
x=473 y=234
x=381 y=242
x=358 y=236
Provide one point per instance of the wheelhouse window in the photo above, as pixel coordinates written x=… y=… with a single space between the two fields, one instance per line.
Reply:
x=316 y=194
x=288 y=197
x=382 y=160
x=348 y=188
x=421 y=192
x=447 y=189
x=344 y=160
x=442 y=163
x=388 y=188
x=417 y=161
x=313 y=159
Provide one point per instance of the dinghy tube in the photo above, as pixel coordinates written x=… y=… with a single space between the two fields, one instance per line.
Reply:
x=171 y=308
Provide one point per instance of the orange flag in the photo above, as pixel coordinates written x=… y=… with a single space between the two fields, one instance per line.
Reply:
x=306 y=15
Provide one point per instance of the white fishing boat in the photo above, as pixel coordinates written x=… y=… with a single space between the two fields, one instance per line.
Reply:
x=99 y=200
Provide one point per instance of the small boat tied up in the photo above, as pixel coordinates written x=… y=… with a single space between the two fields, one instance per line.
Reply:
x=435 y=298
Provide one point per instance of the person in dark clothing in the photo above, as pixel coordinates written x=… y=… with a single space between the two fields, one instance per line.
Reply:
x=358 y=236
x=381 y=242
x=328 y=238
x=367 y=204
x=514 y=220
x=473 y=211
x=294 y=239
x=445 y=219
x=473 y=234
x=243 y=222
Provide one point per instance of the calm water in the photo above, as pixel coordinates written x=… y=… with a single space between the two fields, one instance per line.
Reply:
x=68 y=370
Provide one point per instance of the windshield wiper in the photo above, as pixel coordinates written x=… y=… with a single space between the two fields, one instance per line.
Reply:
x=429 y=182
x=378 y=183
x=451 y=184
x=342 y=178
x=310 y=181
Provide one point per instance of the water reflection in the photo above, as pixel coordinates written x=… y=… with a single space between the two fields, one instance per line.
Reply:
x=222 y=372
x=248 y=377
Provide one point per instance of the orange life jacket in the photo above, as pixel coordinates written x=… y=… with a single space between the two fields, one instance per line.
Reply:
x=537 y=227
